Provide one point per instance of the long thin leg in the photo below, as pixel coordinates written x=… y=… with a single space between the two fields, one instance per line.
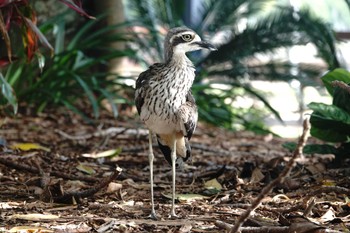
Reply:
x=151 y=158
x=173 y=169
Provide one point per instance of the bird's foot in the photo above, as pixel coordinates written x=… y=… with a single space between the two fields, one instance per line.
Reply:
x=153 y=216
x=173 y=215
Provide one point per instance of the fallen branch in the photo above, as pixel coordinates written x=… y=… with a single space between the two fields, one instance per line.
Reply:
x=9 y=163
x=267 y=189
x=294 y=227
x=208 y=148
x=69 y=196
x=331 y=189
x=112 y=131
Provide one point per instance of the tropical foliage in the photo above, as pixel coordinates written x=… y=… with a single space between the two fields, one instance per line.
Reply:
x=243 y=35
x=331 y=123
x=73 y=70
x=242 y=30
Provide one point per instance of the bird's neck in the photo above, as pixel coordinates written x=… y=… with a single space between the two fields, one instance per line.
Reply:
x=180 y=60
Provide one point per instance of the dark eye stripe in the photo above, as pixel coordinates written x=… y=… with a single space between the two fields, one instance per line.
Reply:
x=178 y=40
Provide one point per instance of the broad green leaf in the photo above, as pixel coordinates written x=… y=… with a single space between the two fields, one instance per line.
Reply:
x=337 y=74
x=330 y=112
x=341 y=98
x=329 y=122
x=328 y=135
x=328 y=129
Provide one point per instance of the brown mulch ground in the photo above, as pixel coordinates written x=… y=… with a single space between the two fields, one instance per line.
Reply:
x=62 y=187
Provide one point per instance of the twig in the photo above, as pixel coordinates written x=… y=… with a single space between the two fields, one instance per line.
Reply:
x=267 y=189
x=264 y=229
x=279 y=211
x=330 y=189
x=112 y=131
x=341 y=85
x=223 y=225
x=89 y=192
x=31 y=169
x=311 y=203
x=294 y=227
x=204 y=147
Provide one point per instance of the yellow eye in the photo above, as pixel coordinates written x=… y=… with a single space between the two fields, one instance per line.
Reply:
x=187 y=37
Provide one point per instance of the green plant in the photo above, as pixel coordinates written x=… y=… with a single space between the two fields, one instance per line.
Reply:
x=331 y=123
x=74 y=72
x=225 y=75
x=18 y=19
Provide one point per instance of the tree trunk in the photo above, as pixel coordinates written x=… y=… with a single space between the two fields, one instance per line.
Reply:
x=115 y=10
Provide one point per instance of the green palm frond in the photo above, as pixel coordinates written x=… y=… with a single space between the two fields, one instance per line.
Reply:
x=348 y=3
x=249 y=33
x=221 y=13
x=321 y=36
x=285 y=28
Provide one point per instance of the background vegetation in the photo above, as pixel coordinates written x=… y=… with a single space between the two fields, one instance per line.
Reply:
x=248 y=33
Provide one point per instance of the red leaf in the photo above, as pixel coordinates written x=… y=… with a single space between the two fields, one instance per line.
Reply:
x=5 y=37
x=35 y=34
x=77 y=6
x=4 y=3
x=4 y=61
x=32 y=43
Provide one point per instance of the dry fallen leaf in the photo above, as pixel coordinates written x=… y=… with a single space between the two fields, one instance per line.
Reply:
x=328 y=216
x=186 y=197
x=34 y=217
x=29 y=146
x=30 y=229
x=103 y=154
x=257 y=176
x=86 y=169
x=113 y=187
x=213 y=184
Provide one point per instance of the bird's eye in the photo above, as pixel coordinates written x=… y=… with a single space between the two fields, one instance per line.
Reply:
x=187 y=37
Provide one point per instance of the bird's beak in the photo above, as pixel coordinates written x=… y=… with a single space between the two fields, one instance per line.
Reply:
x=206 y=45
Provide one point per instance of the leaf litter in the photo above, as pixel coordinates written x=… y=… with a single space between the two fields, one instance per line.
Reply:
x=227 y=172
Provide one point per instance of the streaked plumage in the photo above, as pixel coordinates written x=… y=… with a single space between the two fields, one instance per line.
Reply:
x=165 y=103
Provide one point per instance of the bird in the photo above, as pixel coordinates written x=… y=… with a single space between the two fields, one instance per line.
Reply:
x=166 y=105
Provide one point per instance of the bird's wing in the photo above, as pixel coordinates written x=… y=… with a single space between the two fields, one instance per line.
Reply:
x=141 y=83
x=189 y=115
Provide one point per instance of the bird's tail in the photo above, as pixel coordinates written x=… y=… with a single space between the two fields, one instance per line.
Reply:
x=183 y=149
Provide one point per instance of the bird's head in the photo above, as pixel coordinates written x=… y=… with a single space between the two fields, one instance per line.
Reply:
x=180 y=40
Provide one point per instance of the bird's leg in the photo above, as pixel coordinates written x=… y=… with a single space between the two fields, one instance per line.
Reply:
x=151 y=158
x=173 y=171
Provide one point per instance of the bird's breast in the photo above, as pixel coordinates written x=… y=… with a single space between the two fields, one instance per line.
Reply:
x=163 y=99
